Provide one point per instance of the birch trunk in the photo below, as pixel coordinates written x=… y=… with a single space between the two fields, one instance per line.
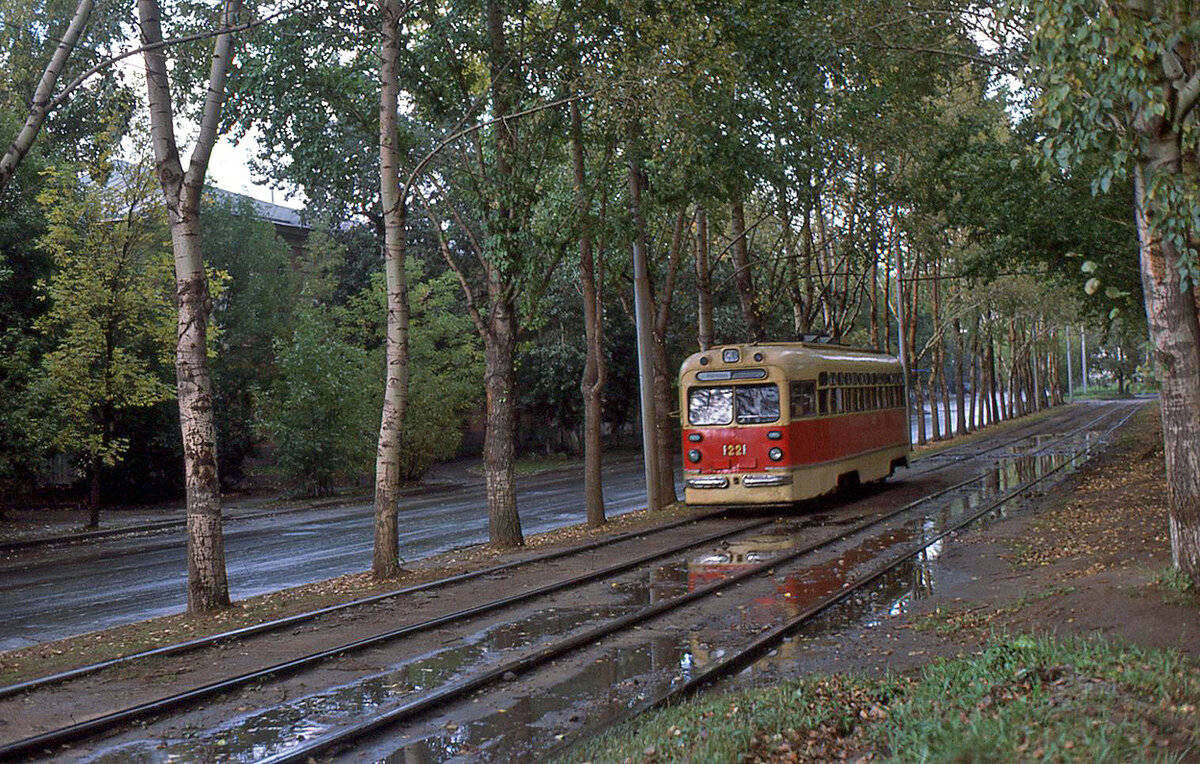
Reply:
x=704 y=305
x=39 y=109
x=960 y=379
x=208 y=586
x=500 y=339
x=592 y=384
x=1175 y=335
x=743 y=278
x=386 y=555
x=499 y=344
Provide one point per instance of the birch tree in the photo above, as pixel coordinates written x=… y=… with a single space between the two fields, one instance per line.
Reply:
x=40 y=107
x=384 y=562
x=1127 y=91
x=208 y=586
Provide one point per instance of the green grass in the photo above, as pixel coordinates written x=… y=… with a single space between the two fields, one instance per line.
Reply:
x=533 y=465
x=1108 y=393
x=1021 y=699
x=1175 y=580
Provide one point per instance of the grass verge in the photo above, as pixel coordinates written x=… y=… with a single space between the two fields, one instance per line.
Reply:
x=1022 y=698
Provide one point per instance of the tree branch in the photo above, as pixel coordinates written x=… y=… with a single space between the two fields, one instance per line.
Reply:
x=42 y=105
x=468 y=292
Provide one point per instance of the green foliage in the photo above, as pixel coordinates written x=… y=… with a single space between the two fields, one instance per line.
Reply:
x=252 y=312
x=110 y=319
x=86 y=126
x=20 y=440
x=320 y=413
x=289 y=78
x=1111 y=81
x=445 y=363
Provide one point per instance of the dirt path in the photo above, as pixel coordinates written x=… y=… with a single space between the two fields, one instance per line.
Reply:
x=1091 y=558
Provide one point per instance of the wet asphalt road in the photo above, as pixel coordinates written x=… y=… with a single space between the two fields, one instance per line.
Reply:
x=63 y=592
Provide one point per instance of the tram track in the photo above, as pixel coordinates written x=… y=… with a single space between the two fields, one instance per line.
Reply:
x=297 y=619
x=452 y=692
x=731 y=663
x=32 y=745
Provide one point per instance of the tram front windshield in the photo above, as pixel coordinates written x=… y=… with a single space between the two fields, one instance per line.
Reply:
x=751 y=404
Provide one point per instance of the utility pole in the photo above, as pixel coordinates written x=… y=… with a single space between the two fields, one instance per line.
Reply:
x=1083 y=358
x=903 y=343
x=641 y=303
x=1070 y=380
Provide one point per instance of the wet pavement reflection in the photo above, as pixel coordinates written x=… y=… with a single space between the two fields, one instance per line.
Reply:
x=618 y=679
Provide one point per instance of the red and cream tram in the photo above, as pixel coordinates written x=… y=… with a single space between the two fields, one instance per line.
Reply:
x=778 y=423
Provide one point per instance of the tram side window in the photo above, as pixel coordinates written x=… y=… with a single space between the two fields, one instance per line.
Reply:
x=803 y=399
x=757 y=404
x=823 y=399
x=710 y=405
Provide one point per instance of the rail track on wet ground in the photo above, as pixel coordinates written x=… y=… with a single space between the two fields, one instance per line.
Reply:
x=523 y=617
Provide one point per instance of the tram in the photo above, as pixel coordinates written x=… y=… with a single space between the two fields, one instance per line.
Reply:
x=772 y=424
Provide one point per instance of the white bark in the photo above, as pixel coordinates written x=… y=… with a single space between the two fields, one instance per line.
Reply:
x=40 y=107
x=387 y=456
x=208 y=586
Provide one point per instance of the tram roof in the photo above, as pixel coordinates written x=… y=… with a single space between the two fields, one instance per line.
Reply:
x=795 y=357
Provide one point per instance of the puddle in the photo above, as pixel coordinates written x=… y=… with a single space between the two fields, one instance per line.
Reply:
x=280 y=728
x=619 y=679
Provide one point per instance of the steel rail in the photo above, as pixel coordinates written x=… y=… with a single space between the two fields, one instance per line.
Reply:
x=748 y=654
x=53 y=738
x=82 y=729
x=298 y=618
x=456 y=690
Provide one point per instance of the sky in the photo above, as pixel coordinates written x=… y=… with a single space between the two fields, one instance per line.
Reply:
x=229 y=165
x=229 y=169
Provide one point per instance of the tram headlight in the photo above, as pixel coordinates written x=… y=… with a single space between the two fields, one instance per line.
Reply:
x=694 y=456
x=775 y=453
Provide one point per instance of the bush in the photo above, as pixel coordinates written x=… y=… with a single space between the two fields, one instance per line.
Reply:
x=445 y=364
x=322 y=413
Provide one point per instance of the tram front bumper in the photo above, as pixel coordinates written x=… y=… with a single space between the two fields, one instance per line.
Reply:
x=708 y=482
x=764 y=481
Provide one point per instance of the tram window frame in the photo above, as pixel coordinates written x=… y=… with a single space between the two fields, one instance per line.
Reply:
x=737 y=407
x=802 y=391
x=723 y=390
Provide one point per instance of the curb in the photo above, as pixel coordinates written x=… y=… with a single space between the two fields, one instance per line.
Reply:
x=78 y=538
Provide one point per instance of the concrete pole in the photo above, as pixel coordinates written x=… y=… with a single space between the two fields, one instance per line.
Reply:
x=1070 y=380
x=1083 y=359
x=642 y=319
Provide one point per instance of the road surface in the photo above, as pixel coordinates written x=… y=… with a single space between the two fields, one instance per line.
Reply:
x=76 y=589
